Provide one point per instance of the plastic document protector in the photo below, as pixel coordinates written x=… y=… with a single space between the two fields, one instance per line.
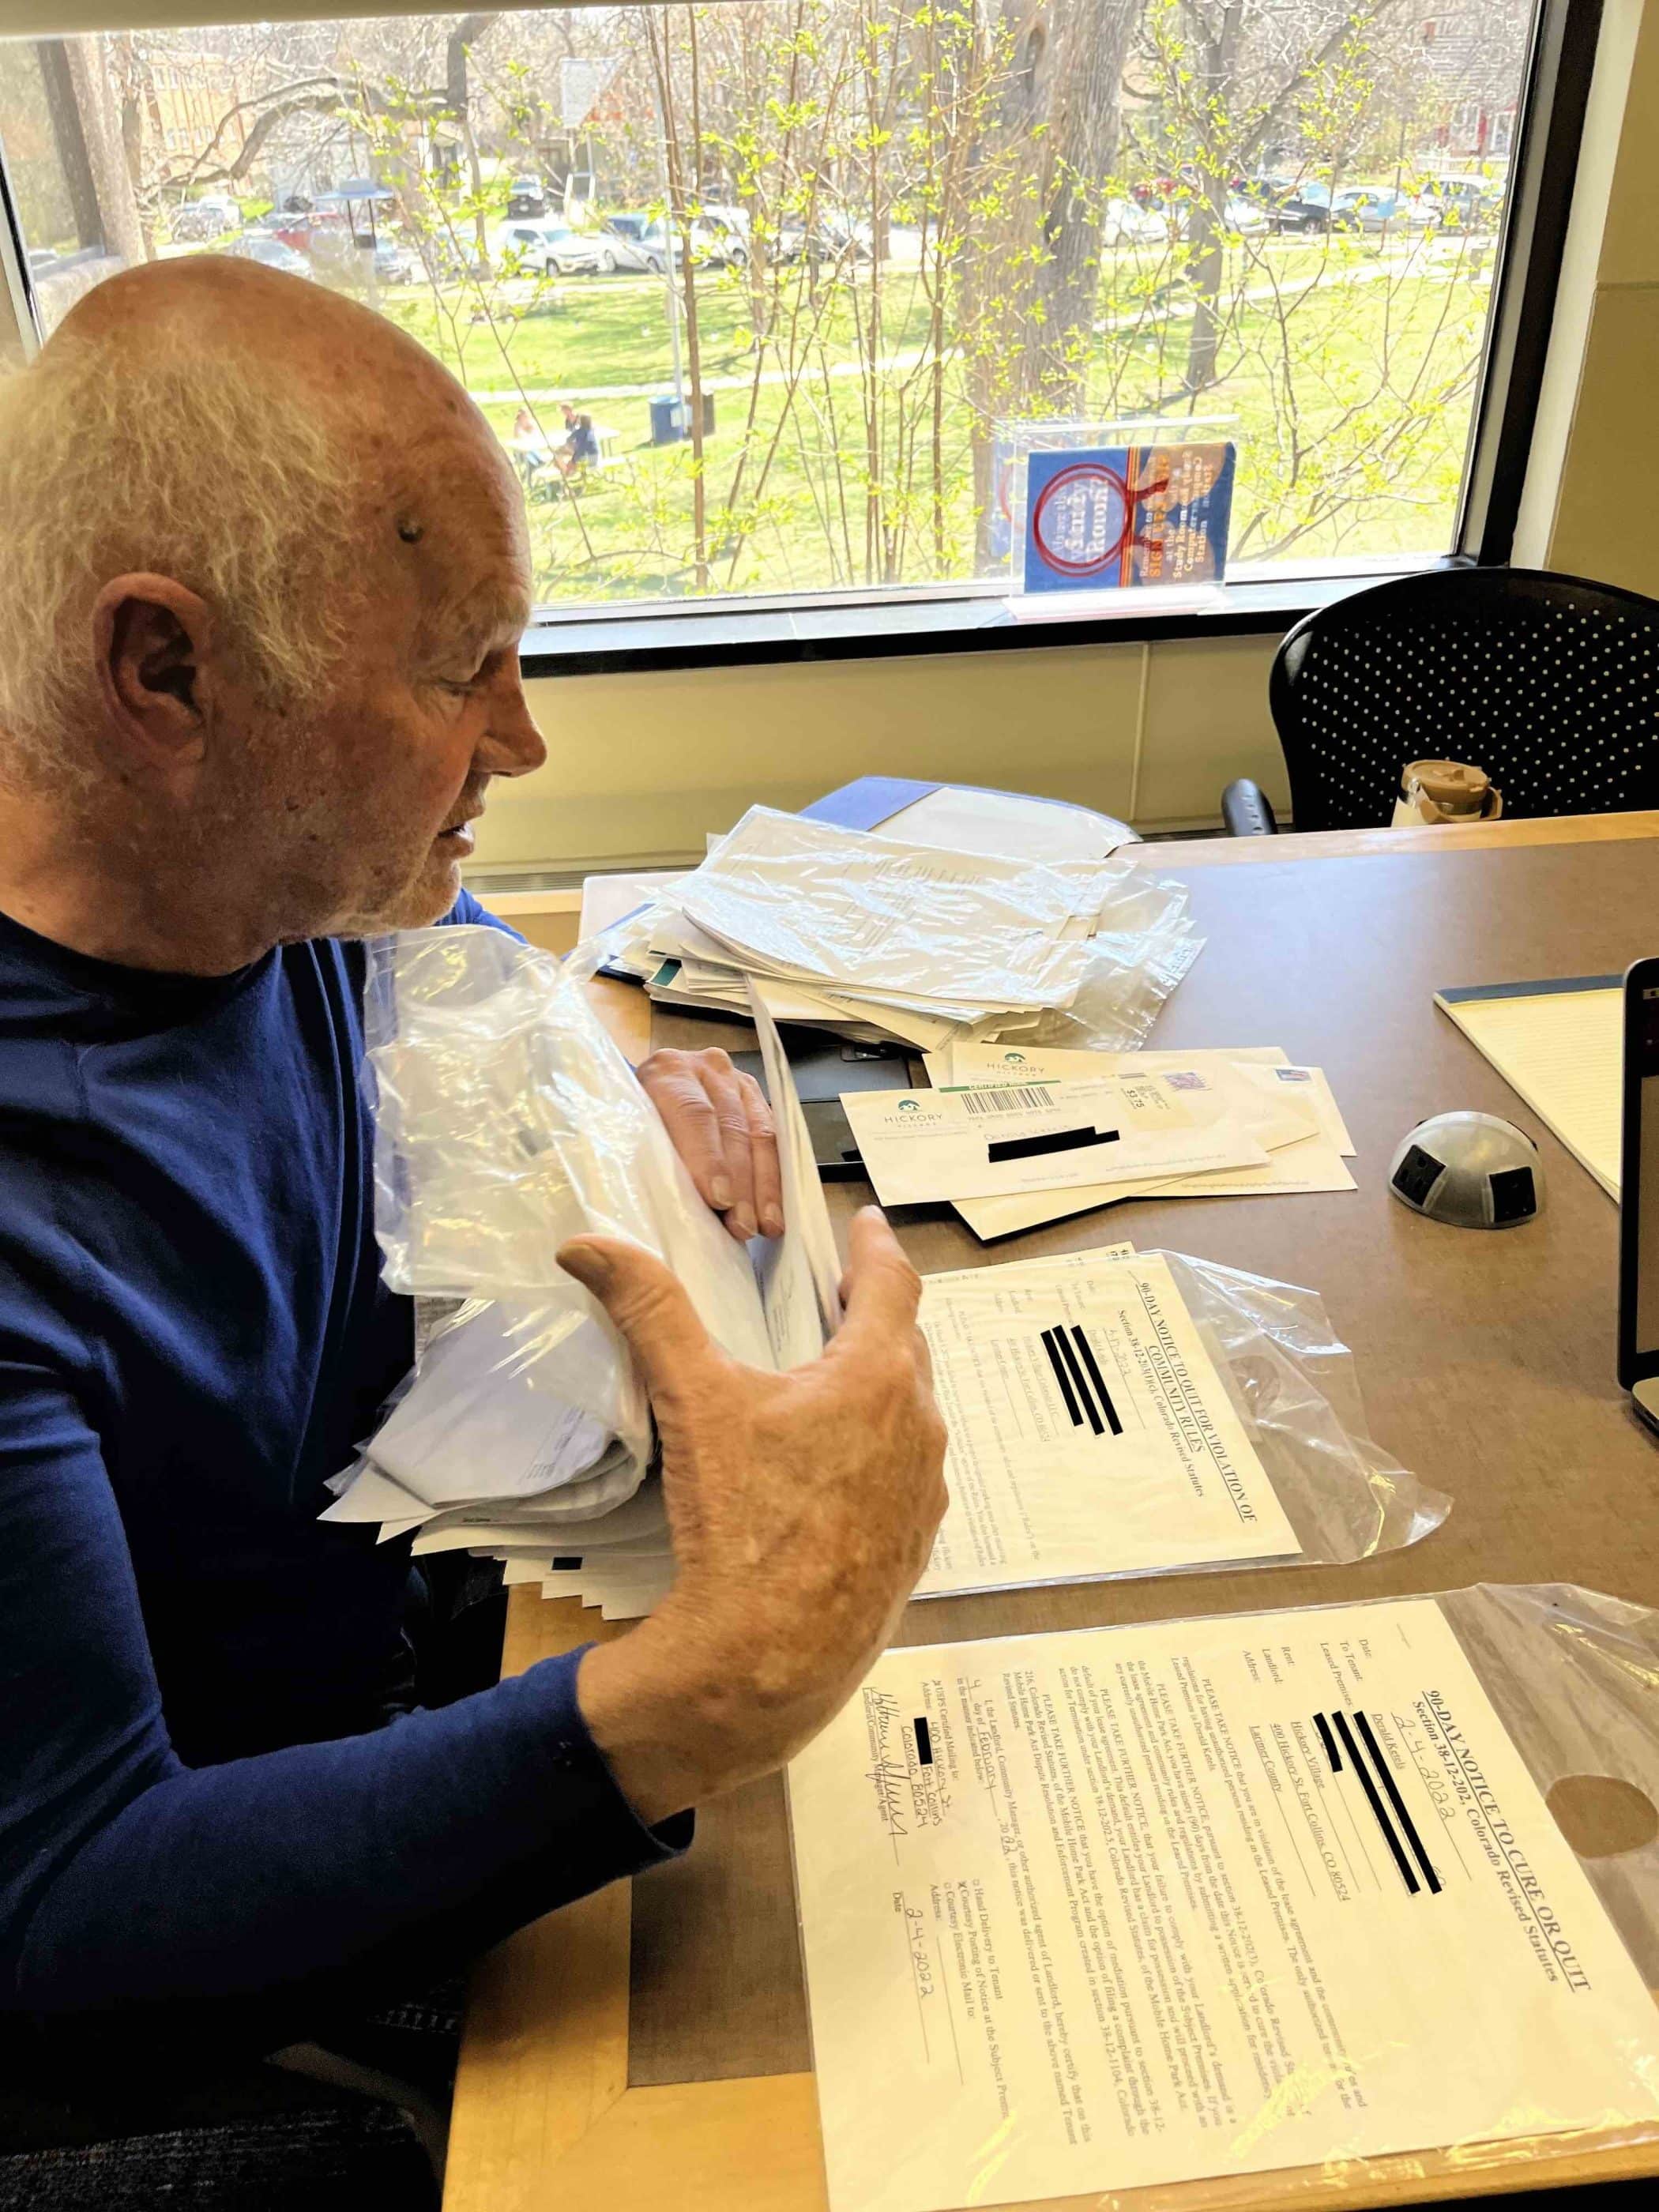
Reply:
x=1089 y=1432
x=1112 y=1413
x=1127 y=1906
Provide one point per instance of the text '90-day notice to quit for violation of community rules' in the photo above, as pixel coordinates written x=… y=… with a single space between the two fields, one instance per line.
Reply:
x=1135 y=1905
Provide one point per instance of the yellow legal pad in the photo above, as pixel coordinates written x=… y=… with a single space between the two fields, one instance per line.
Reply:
x=1560 y=1045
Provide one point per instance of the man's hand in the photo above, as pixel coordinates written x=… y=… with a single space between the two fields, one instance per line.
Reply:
x=803 y=1508
x=722 y=1127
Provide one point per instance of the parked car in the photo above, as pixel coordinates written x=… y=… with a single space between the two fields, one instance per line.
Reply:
x=1459 y=203
x=394 y=263
x=1289 y=204
x=1245 y=216
x=1366 y=208
x=196 y=222
x=527 y=200
x=1126 y=223
x=1304 y=207
x=622 y=242
x=554 y=249
x=270 y=253
x=710 y=244
x=734 y=221
x=831 y=239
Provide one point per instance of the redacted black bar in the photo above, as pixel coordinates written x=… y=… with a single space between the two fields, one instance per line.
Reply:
x=1408 y=1875
x=1057 y=1141
x=1385 y=1775
x=1329 y=1742
x=924 y=1740
x=1086 y=1351
x=1061 y=1375
x=1077 y=1382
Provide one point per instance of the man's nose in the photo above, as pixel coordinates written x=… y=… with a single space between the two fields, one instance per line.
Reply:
x=512 y=744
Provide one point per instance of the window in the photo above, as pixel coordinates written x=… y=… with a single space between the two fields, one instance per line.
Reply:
x=799 y=266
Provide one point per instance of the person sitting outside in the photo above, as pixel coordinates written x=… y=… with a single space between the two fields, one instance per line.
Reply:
x=266 y=570
x=580 y=449
x=530 y=448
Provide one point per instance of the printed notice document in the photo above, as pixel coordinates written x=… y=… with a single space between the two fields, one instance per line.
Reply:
x=1090 y=1434
x=1137 y=1906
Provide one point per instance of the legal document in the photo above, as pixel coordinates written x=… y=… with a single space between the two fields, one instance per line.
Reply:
x=1138 y=1905
x=995 y=1140
x=1089 y=1431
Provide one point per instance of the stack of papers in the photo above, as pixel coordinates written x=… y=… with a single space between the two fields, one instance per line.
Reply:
x=1281 y=1120
x=880 y=939
x=1090 y=1436
x=495 y=1446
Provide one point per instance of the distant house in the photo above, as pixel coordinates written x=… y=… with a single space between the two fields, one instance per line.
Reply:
x=1471 y=53
x=193 y=102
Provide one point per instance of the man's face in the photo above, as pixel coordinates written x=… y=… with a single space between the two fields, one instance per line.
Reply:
x=373 y=806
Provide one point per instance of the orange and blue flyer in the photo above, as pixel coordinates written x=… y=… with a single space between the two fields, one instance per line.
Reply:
x=1121 y=515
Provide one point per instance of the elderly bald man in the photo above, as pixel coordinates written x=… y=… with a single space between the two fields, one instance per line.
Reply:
x=263 y=576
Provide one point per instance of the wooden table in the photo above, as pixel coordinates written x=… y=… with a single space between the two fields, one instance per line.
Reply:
x=652 y=2049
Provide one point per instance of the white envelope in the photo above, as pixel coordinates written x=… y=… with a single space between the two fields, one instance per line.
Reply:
x=990 y=1142
x=1289 y=1110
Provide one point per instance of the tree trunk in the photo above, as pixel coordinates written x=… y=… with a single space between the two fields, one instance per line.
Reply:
x=118 y=203
x=457 y=98
x=1215 y=60
x=130 y=76
x=1036 y=273
x=1068 y=64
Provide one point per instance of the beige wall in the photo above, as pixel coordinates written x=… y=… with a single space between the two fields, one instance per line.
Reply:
x=640 y=767
x=1593 y=493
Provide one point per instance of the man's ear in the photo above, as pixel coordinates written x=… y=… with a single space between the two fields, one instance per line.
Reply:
x=152 y=638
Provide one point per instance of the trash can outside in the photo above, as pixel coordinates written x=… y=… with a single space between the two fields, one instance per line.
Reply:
x=671 y=418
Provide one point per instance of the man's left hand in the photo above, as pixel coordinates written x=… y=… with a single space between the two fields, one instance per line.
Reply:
x=722 y=1127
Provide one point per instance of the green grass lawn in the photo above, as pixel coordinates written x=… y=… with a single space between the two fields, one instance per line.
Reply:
x=1338 y=366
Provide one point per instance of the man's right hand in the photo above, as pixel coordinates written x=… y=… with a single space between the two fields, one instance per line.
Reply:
x=803 y=1508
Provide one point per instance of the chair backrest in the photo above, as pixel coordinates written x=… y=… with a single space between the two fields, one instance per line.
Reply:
x=1550 y=683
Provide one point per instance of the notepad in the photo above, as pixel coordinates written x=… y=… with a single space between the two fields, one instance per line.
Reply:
x=1560 y=1045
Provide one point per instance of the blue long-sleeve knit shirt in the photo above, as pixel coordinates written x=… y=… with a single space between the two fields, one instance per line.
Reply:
x=210 y=1805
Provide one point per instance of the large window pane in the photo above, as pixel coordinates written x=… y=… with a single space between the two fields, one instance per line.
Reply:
x=751 y=290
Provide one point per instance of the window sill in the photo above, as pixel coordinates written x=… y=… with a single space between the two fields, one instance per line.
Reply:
x=712 y=635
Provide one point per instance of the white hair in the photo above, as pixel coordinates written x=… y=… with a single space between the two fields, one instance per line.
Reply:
x=190 y=461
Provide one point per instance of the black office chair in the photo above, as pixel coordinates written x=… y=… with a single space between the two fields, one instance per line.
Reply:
x=1550 y=683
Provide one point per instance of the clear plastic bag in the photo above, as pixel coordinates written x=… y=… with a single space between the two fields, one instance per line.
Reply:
x=1087 y=1444
x=793 y=897
x=1295 y=1385
x=1349 y=1904
x=506 y=1121
x=1125 y=981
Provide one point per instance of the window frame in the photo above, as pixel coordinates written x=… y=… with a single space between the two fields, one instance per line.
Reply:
x=968 y=616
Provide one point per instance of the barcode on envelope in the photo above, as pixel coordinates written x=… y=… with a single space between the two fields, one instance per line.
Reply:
x=1005 y=1102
